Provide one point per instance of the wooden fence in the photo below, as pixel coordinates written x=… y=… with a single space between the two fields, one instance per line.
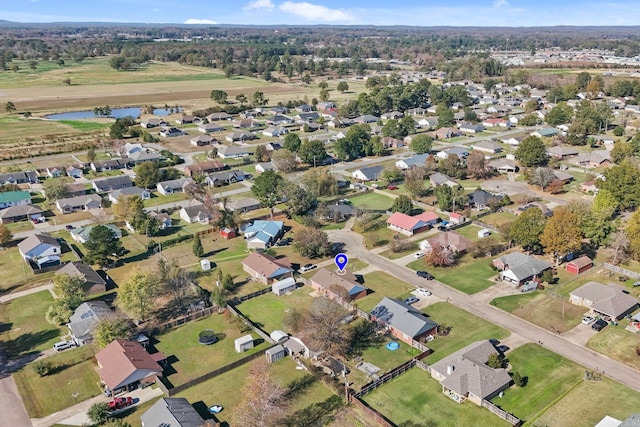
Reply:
x=370 y=412
x=620 y=270
x=511 y=419
x=388 y=376
x=188 y=318
x=238 y=300
x=258 y=330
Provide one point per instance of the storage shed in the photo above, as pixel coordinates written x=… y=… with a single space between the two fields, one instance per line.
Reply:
x=279 y=336
x=579 y=265
x=228 y=233
x=275 y=353
x=283 y=286
x=244 y=343
x=205 y=264
x=485 y=232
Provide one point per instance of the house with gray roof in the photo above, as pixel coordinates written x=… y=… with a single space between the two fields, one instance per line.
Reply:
x=438 y=178
x=28 y=177
x=218 y=179
x=79 y=203
x=143 y=156
x=518 y=268
x=370 y=173
x=610 y=301
x=481 y=199
x=329 y=282
x=173 y=186
x=41 y=249
x=112 y=183
x=108 y=165
x=81 y=234
x=19 y=213
x=143 y=193
x=85 y=318
x=245 y=204
x=405 y=322
x=235 y=151
x=417 y=160
x=171 y=412
x=195 y=214
x=465 y=374
x=546 y=133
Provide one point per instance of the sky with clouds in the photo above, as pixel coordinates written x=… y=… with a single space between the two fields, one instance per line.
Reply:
x=346 y=12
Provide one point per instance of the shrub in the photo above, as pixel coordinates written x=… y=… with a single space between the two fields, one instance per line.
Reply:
x=43 y=367
x=518 y=380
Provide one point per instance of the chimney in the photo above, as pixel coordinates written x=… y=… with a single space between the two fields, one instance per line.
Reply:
x=450 y=369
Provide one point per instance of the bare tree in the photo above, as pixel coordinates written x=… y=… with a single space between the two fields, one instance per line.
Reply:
x=263 y=401
x=175 y=281
x=620 y=245
x=323 y=318
x=542 y=177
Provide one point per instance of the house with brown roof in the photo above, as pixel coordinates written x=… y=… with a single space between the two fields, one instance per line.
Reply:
x=124 y=365
x=410 y=225
x=93 y=282
x=610 y=301
x=465 y=374
x=267 y=269
x=332 y=283
x=448 y=240
x=204 y=167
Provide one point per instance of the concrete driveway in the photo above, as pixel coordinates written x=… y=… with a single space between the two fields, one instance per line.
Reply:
x=580 y=334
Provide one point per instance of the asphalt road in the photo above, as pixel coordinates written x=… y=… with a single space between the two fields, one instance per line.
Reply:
x=577 y=353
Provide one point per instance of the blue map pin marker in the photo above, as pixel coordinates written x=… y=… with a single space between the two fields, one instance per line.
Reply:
x=341 y=261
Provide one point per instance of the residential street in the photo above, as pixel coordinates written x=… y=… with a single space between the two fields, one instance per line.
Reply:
x=528 y=331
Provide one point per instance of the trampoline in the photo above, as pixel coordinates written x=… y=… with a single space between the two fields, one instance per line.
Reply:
x=393 y=346
x=207 y=337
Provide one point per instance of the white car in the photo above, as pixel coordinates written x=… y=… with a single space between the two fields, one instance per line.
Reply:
x=419 y=255
x=423 y=292
x=308 y=267
x=587 y=320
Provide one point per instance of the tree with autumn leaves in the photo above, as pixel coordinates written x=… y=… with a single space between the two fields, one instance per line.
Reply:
x=562 y=234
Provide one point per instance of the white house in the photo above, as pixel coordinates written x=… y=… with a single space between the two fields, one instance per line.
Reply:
x=40 y=248
x=143 y=193
x=195 y=214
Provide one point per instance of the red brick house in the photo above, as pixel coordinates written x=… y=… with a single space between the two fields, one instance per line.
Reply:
x=327 y=280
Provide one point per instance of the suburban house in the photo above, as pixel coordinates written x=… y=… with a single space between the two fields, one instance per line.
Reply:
x=81 y=234
x=170 y=132
x=544 y=208
x=392 y=115
x=203 y=140
x=163 y=218
x=245 y=204
x=233 y=152
x=546 y=133
x=171 y=412
x=108 y=165
x=79 y=203
x=487 y=147
x=481 y=199
x=449 y=241
x=262 y=234
x=366 y=119
x=265 y=166
x=503 y=165
x=14 y=198
x=562 y=152
x=442 y=179
x=446 y=133
x=112 y=183
x=184 y=120
x=370 y=173
x=513 y=140
x=28 y=177
x=85 y=318
x=343 y=285
x=195 y=214
x=518 y=268
x=410 y=225
x=279 y=120
x=592 y=160
x=143 y=193
x=405 y=322
x=124 y=365
x=275 y=131
x=610 y=301
x=304 y=108
x=152 y=122
x=20 y=213
x=467 y=127
x=143 y=156
x=218 y=179
x=417 y=160
x=389 y=142
x=55 y=171
x=579 y=265
x=173 y=186
x=462 y=153
x=310 y=117
x=219 y=117
x=465 y=374
x=76 y=189
x=204 y=167
x=41 y=249
x=245 y=122
x=267 y=269
x=93 y=283
x=339 y=212
x=428 y=122
x=210 y=127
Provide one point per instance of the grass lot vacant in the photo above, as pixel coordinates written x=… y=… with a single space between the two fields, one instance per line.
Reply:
x=269 y=310
x=416 y=399
x=616 y=343
x=24 y=328
x=194 y=359
x=46 y=395
x=585 y=405
x=469 y=276
x=382 y=285
x=465 y=329
x=498 y=218
x=548 y=377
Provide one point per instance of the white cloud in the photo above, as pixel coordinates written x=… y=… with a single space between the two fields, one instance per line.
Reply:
x=500 y=3
x=195 y=21
x=156 y=10
x=314 y=12
x=265 y=5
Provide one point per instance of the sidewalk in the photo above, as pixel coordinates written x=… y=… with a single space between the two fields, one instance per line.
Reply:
x=9 y=297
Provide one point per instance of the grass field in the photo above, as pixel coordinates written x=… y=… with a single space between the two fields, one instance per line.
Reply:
x=469 y=276
x=548 y=377
x=616 y=343
x=45 y=395
x=382 y=285
x=372 y=200
x=159 y=199
x=465 y=329
x=85 y=126
x=269 y=310
x=24 y=327
x=182 y=343
x=416 y=399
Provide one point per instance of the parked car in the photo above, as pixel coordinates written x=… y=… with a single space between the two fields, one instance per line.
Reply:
x=283 y=242
x=308 y=267
x=120 y=402
x=424 y=275
x=636 y=284
x=502 y=348
x=419 y=255
x=411 y=300
x=391 y=187
x=63 y=345
x=599 y=325
x=69 y=227
x=424 y=292
x=587 y=320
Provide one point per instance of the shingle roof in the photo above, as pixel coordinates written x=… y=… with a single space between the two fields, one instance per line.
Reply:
x=403 y=317
x=523 y=266
x=37 y=239
x=327 y=278
x=606 y=299
x=267 y=265
x=407 y=222
x=172 y=412
x=85 y=318
x=20 y=210
x=119 y=361
x=371 y=172
x=14 y=196
x=83 y=270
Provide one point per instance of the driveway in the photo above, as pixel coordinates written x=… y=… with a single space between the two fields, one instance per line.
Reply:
x=580 y=334
x=497 y=290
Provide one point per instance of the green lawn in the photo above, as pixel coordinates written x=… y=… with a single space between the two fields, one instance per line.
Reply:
x=85 y=126
x=15 y=272
x=470 y=232
x=17 y=227
x=372 y=200
x=183 y=343
x=159 y=199
x=395 y=255
x=416 y=399
x=378 y=355
x=465 y=329
x=382 y=285
x=618 y=344
x=46 y=395
x=548 y=377
x=269 y=310
x=585 y=405
x=24 y=328
x=498 y=218
x=469 y=276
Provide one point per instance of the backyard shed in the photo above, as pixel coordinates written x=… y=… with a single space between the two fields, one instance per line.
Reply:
x=279 y=336
x=579 y=265
x=228 y=233
x=275 y=353
x=485 y=232
x=283 y=286
x=205 y=264
x=244 y=343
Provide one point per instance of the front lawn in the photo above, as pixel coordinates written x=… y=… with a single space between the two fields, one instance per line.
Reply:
x=372 y=201
x=376 y=234
x=466 y=328
x=416 y=399
x=160 y=199
x=469 y=275
x=413 y=247
x=16 y=273
x=191 y=359
x=548 y=376
x=75 y=374
x=617 y=343
x=24 y=327
x=498 y=218
x=382 y=285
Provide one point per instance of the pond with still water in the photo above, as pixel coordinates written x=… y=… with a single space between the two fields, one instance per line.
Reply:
x=116 y=113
